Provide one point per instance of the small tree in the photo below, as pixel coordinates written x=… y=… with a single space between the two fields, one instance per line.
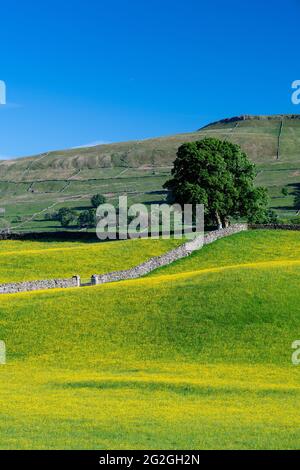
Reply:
x=97 y=200
x=87 y=218
x=219 y=175
x=284 y=192
x=66 y=216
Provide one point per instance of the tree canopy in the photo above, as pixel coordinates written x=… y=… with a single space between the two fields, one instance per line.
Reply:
x=66 y=216
x=87 y=218
x=97 y=200
x=219 y=175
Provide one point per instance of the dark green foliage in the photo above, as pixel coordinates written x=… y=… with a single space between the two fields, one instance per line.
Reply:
x=66 y=216
x=272 y=217
x=284 y=191
x=297 y=200
x=219 y=175
x=87 y=218
x=264 y=217
x=97 y=200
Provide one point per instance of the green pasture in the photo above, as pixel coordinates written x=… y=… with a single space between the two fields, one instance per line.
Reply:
x=34 y=260
x=196 y=357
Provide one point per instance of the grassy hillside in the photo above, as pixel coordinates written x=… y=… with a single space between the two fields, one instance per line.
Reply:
x=186 y=359
x=29 y=261
x=257 y=246
x=31 y=186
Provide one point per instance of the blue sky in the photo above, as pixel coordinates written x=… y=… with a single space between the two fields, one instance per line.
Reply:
x=79 y=72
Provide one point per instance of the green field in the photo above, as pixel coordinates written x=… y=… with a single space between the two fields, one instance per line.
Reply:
x=195 y=356
x=30 y=187
x=245 y=248
x=30 y=261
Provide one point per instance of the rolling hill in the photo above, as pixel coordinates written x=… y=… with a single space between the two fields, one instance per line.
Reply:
x=32 y=186
x=195 y=356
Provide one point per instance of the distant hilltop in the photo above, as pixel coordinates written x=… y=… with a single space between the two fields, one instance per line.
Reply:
x=68 y=178
x=252 y=117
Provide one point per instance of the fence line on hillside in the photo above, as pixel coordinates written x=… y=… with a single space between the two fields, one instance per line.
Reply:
x=180 y=252
x=279 y=139
x=163 y=260
x=142 y=269
x=27 y=286
x=292 y=227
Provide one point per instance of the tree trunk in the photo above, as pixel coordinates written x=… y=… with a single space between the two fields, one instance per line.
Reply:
x=225 y=222
x=218 y=218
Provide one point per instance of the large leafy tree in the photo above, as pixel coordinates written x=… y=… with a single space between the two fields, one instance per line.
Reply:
x=219 y=175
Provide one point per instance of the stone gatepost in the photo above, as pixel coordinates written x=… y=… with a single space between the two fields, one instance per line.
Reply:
x=76 y=280
x=94 y=279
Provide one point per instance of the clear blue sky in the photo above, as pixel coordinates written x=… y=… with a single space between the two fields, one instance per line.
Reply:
x=79 y=72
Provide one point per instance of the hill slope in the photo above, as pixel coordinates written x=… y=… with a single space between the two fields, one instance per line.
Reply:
x=31 y=185
x=188 y=360
x=31 y=260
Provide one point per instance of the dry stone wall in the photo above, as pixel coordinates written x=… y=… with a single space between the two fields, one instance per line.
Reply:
x=15 y=287
x=182 y=251
x=225 y=232
x=138 y=271
x=275 y=227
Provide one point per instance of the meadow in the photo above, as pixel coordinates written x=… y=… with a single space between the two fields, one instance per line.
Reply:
x=34 y=260
x=254 y=246
x=197 y=355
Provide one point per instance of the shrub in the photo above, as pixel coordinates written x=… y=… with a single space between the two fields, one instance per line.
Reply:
x=87 y=218
x=66 y=216
x=97 y=200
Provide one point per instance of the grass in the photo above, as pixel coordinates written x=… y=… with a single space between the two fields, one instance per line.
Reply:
x=245 y=247
x=33 y=260
x=186 y=359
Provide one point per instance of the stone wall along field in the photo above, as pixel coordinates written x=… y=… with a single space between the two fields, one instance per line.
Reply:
x=275 y=227
x=15 y=287
x=182 y=251
x=138 y=271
